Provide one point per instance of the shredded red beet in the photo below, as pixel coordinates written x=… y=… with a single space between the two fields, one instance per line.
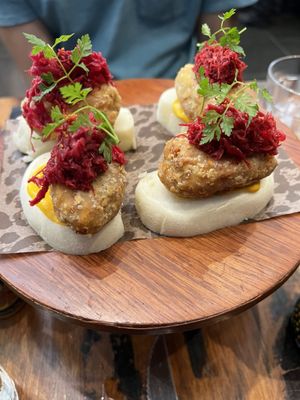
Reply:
x=261 y=136
x=75 y=161
x=118 y=156
x=98 y=69
x=37 y=114
x=220 y=64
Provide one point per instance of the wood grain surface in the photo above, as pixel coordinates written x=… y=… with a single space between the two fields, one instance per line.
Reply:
x=251 y=356
x=165 y=284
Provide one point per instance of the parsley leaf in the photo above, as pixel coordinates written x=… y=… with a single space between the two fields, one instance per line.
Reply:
x=205 y=30
x=32 y=39
x=105 y=150
x=44 y=90
x=266 y=95
x=83 y=66
x=223 y=92
x=206 y=89
x=82 y=49
x=229 y=37
x=253 y=85
x=56 y=114
x=48 y=129
x=228 y=14
x=227 y=124
x=49 y=52
x=212 y=90
x=76 y=56
x=62 y=38
x=209 y=133
x=244 y=103
x=212 y=129
x=85 y=45
x=81 y=120
x=38 y=44
x=210 y=117
x=47 y=77
x=232 y=39
x=215 y=125
x=74 y=93
x=237 y=49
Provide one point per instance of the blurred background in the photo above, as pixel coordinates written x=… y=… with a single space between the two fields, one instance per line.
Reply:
x=273 y=31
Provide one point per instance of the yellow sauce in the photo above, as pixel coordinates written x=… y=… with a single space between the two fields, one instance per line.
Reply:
x=178 y=111
x=45 y=205
x=252 y=188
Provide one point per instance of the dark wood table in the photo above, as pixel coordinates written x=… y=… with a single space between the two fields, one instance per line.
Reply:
x=250 y=356
x=165 y=284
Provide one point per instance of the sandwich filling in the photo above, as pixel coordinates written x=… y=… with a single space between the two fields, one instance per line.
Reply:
x=83 y=183
x=65 y=79
x=228 y=143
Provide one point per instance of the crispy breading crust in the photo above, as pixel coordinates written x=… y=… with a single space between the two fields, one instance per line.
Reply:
x=191 y=101
x=88 y=212
x=186 y=86
x=189 y=172
x=105 y=99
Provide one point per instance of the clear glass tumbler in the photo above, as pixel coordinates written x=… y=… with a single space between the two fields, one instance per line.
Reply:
x=283 y=82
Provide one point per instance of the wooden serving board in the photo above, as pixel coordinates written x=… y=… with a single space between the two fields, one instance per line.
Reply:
x=165 y=284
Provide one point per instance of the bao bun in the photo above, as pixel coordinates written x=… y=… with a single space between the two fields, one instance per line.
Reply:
x=30 y=144
x=167 y=214
x=165 y=115
x=33 y=146
x=61 y=237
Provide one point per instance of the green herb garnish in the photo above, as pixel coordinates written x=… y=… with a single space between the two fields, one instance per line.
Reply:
x=240 y=98
x=82 y=49
x=225 y=36
x=72 y=92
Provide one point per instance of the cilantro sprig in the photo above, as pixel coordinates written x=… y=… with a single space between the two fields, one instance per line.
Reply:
x=225 y=36
x=240 y=98
x=72 y=93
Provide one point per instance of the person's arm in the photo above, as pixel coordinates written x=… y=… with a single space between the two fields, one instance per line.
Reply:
x=17 y=45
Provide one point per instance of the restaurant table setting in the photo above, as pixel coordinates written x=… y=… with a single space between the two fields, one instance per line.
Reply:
x=253 y=355
x=151 y=137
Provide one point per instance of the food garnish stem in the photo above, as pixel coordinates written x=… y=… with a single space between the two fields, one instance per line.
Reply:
x=61 y=65
x=110 y=129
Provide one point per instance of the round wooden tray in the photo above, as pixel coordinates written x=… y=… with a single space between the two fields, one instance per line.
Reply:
x=165 y=284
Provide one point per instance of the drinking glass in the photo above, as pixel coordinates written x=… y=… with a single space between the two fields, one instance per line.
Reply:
x=283 y=82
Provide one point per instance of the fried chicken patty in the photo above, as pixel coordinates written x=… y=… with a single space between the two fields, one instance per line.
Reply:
x=106 y=98
x=88 y=212
x=191 y=101
x=189 y=172
x=186 y=86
